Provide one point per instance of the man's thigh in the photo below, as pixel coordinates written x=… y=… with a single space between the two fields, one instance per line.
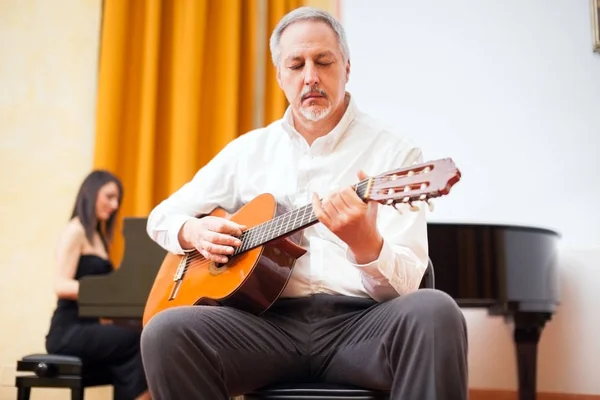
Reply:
x=367 y=348
x=248 y=351
x=347 y=345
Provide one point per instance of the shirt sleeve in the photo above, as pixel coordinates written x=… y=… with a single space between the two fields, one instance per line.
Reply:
x=211 y=187
x=404 y=256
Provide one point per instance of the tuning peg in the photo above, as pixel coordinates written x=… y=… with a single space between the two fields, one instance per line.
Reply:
x=397 y=207
x=413 y=207
x=430 y=205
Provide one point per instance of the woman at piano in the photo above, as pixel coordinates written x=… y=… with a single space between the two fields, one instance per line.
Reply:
x=83 y=249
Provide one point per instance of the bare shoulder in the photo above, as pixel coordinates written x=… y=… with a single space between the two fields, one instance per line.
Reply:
x=73 y=234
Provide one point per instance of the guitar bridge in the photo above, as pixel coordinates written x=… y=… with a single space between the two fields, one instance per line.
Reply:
x=178 y=277
x=175 y=290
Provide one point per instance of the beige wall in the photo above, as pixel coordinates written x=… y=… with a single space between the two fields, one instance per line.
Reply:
x=48 y=62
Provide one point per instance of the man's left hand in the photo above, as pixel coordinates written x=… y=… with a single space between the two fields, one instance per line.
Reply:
x=352 y=220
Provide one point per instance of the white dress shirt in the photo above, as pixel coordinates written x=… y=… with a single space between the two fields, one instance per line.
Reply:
x=278 y=160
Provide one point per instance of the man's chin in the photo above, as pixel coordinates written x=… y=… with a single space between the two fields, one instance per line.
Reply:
x=315 y=113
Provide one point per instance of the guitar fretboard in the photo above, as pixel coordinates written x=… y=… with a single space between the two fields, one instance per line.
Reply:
x=285 y=224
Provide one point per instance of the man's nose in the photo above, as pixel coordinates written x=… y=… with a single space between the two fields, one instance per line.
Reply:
x=311 y=77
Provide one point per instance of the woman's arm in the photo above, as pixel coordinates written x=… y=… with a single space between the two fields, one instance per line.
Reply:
x=68 y=252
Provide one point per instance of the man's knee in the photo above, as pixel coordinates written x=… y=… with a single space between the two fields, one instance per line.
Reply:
x=436 y=301
x=155 y=329
x=164 y=329
x=431 y=306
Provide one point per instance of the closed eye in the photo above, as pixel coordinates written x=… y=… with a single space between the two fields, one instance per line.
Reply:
x=322 y=64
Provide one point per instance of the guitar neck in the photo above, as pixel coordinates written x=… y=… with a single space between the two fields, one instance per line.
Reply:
x=286 y=224
x=280 y=226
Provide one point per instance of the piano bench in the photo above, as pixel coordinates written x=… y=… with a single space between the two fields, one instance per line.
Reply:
x=316 y=391
x=55 y=371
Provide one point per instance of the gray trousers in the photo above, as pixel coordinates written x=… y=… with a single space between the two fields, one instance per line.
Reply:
x=415 y=345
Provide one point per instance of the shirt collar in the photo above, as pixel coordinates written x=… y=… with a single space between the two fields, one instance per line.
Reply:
x=329 y=141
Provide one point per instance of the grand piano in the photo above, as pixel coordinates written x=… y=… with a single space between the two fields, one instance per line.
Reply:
x=121 y=295
x=509 y=270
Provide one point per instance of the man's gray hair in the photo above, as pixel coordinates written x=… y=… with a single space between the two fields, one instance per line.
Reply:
x=307 y=14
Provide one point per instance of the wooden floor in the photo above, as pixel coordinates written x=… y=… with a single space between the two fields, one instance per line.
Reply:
x=483 y=394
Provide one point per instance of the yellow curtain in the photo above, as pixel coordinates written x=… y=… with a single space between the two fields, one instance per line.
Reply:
x=176 y=84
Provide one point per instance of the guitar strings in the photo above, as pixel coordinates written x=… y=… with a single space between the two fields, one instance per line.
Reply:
x=197 y=256
x=261 y=233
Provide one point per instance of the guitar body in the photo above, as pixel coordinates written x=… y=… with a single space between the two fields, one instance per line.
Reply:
x=250 y=281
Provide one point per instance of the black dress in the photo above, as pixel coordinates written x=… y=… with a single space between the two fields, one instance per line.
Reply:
x=108 y=349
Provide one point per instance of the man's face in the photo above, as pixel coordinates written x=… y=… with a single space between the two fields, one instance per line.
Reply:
x=312 y=72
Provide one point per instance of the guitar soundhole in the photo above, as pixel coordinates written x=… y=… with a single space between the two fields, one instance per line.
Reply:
x=216 y=268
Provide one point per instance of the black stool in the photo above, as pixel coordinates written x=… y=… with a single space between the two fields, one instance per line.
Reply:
x=55 y=371
x=316 y=391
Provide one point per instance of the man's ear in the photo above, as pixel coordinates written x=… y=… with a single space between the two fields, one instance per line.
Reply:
x=278 y=76
x=347 y=71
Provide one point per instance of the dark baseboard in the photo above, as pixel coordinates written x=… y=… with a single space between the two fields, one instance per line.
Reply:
x=489 y=394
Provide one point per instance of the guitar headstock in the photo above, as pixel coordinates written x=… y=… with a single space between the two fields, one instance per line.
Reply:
x=419 y=182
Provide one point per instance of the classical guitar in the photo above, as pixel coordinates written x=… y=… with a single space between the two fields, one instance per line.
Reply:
x=259 y=269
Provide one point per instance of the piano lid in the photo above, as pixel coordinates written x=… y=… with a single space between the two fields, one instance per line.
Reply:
x=499 y=266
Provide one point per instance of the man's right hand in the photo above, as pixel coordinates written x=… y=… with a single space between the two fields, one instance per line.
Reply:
x=213 y=237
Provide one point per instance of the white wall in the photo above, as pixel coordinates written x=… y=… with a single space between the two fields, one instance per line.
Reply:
x=511 y=91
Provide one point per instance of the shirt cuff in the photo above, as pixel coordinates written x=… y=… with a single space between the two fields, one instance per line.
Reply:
x=386 y=257
x=173 y=229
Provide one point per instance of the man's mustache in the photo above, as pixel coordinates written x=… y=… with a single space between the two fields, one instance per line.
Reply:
x=308 y=91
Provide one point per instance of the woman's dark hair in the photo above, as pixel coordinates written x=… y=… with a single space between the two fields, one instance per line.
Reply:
x=85 y=205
